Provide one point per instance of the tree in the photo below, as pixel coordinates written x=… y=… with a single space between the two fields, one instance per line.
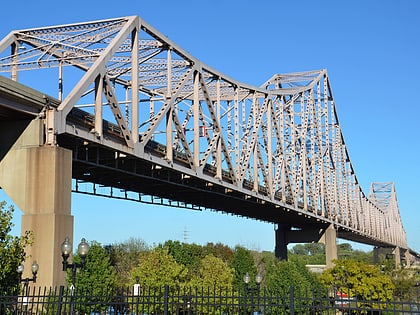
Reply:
x=98 y=275
x=242 y=263
x=213 y=273
x=359 y=280
x=157 y=268
x=309 y=249
x=12 y=251
x=311 y=254
x=405 y=280
x=185 y=254
x=219 y=250
x=96 y=279
x=125 y=256
x=281 y=275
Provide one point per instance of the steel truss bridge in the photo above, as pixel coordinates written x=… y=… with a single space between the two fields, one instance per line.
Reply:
x=147 y=121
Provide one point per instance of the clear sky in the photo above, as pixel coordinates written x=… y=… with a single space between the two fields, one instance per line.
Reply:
x=371 y=52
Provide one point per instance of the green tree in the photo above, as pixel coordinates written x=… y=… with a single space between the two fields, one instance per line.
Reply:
x=281 y=275
x=311 y=253
x=346 y=251
x=157 y=268
x=405 y=281
x=219 y=250
x=345 y=248
x=359 y=280
x=185 y=254
x=309 y=249
x=12 y=251
x=242 y=262
x=98 y=274
x=125 y=256
x=213 y=273
x=300 y=249
x=97 y=278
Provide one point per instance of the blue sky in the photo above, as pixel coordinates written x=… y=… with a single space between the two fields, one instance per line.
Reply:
x=370 y=49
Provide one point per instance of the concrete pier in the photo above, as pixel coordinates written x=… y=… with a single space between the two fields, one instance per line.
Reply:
x=38 y=180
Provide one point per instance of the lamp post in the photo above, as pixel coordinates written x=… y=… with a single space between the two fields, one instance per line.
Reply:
x=66 y=249
x=252 y=290
x=34 y=269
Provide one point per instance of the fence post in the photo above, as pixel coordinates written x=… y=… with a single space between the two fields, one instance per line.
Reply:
x=292 y=300
x=165 y=299
x=60 y=299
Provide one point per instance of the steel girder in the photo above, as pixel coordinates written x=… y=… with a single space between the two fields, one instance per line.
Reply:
x=280 y=142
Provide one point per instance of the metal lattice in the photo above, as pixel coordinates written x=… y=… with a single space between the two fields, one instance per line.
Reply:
x=280 y=142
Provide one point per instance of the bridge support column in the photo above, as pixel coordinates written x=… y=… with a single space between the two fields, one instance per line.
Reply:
x=38 y=180
x=397 y=257
x=280 y=250
x=407 y=258
x=376 y=254
x=330 y=240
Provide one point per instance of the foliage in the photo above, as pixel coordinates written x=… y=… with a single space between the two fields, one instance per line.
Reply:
x=314 y=253
x=346 y=251
x=309 y=249
x=243 y=263
x=98 y=278
x=406 y=281
x=98 y=274
x=310 y=254
x=311 y=279
x=12 y=251
x=219 y=250
x=213 y=273
x=158 y=268
x=359 y=280
x=185 y=254
x=125 y=256
x=280 y=275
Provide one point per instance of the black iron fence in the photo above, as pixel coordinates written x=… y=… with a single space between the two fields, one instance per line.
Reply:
x=194 y=301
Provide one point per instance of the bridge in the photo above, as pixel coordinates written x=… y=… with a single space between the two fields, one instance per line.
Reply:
x=115 y=108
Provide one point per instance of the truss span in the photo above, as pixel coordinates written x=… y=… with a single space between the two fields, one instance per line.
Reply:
x=123 y=87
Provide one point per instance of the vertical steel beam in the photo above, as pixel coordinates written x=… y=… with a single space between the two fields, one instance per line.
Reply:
x=169 y=118
x=269 y=149
x=99 y=87
x=14 y=52
x=60 y=81
x=220 y=135
x=236 y=139
x=135 y=84
x=196 y=117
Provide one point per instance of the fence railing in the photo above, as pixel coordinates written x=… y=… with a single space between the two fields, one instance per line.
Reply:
x=193 y=301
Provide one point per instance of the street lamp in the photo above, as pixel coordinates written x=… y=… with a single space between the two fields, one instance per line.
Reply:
x=253 y=290
x=34 y=269
x=66 y=249
x=247 y=279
